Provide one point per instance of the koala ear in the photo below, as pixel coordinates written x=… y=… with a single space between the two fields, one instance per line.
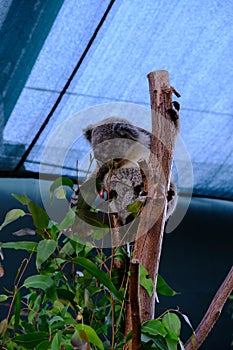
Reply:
x=88 y=132
x=128 y=131
x=132 y=132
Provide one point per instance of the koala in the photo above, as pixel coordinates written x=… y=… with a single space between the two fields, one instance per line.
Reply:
x=119 y=148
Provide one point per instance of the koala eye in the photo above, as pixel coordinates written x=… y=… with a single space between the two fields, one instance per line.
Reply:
x=106 y=143
x=126 y=131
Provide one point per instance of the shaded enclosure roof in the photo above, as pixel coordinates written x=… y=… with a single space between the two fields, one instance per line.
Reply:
x=78 y=61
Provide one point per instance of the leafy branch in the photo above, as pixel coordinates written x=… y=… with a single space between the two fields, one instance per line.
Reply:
x=78 y=296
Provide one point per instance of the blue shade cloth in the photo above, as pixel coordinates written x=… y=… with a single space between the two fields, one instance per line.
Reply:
x=193 y=40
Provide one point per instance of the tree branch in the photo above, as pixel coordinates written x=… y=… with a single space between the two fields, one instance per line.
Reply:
x=212 y=314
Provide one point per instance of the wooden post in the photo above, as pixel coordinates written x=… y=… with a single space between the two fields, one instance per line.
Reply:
x=151 y=227
x=134 y=305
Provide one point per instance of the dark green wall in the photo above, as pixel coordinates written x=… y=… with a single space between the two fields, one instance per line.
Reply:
x=195 y=259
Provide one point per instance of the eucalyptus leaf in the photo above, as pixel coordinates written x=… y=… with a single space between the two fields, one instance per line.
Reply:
x=145 y=282
x=38 y=281
x=11 y=216
x=68 y=220
x=171 y=344
x=55 y=345
x=154 y=328
x=27 y=245
x=45 y=249
x=61 y=181
x=163 y=288
x=3 y=297
x=91 y=335
x=3 y=326
x=101 y=276
x=39 y=215
x=134 y=207
x=42 y=346
x=22 y=199
x=91 y=218
x=31 y=340
x=172 y=323
x=159 y=343
x=61 y=193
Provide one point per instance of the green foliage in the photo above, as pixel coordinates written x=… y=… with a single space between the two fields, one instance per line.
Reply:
x=76 y=299
x=11 y=216
x=162 y=333
x=145 y=281
x=163 y=288
x=58 y=185
x=28 y=246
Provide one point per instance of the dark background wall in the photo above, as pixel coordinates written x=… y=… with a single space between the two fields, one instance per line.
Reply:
x=196 y=257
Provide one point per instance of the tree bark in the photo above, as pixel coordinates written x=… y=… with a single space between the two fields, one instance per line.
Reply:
x=148 y=244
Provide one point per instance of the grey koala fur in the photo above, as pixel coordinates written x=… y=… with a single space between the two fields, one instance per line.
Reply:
x=117 y=141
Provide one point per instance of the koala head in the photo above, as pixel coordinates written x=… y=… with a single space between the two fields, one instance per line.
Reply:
x=112 y=137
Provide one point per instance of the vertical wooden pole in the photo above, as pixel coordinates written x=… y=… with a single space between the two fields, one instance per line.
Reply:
x=148 y=244
x=134 y=305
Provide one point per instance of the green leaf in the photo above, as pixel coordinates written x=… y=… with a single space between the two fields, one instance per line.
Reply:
x=172 y=323
x=160 y=343
x=163 y=288
x=91 y=335
x=3 y=326
x=101 y=276
x=67 y=296
x=31 y=340
x=17 y=309
x=68 y=220
x=55 y=345
x=61 y=181
x=3 y=297
x=29 y=246
x=171 y=344
x=154 y=328
x=22 y=199
x=11 y=216
x=145 y=282
x=67 y=249
x=134 y=207
x=51 y=293
x=120 y=255
x=39 y=215
x=38 y=281
x=61 y=193
x=91 y=218
x=44 y=345
x=45 y=249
